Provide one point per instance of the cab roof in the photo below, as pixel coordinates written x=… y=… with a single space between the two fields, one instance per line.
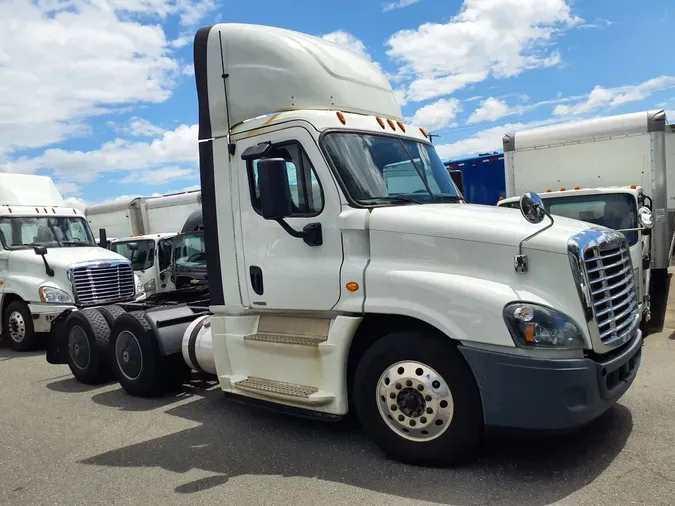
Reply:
x=244 y=71
x=581 y=191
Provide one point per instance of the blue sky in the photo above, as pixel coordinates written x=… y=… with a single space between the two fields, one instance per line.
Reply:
x=100 y=95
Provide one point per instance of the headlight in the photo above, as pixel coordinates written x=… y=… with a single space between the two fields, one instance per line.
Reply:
x=139 y=283
x=149 y=286
x=534 y=326
x=51 y=294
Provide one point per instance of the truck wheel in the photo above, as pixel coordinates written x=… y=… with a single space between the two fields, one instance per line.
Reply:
x=137 y=362
x=17 y=327
x=417 y=399
x=111 y=313
x=88 y=346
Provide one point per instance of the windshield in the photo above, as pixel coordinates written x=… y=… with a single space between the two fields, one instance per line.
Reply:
x=613 y=210
x=378 y=169
x=49 y=231
x=189 y=252
x=141 y=256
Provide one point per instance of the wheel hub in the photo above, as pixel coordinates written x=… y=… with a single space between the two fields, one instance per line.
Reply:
x=78 y=346
x=415 y=401
x=129 y=355
x=17 y=327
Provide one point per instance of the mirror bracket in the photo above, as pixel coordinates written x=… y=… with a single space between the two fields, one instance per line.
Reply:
x=530 y=202
x=311 y=233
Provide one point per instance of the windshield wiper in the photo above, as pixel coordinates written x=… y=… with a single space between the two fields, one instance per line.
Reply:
x=74 y=243
x=448 y=198
x=395 y=198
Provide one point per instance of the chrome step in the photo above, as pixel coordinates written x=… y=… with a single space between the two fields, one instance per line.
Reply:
x=287 y=339
x=303 y=394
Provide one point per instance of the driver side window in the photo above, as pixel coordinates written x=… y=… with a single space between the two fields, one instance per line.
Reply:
x=306 y=192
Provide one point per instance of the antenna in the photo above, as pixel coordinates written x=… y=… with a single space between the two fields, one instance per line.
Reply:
x=431 y=137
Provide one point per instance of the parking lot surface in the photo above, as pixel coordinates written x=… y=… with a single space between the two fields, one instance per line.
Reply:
x=65 y=443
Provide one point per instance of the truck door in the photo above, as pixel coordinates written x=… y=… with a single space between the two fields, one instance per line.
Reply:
x=282 y=272
x=164 y=248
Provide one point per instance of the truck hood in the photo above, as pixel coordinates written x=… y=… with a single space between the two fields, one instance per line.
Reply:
x=476 y=223
x=61 y=258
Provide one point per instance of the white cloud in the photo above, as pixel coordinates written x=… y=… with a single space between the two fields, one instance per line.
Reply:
x=499 y=38
x=491 y=109
x=172 y=148
x=64 y=62
x=139 y=127
x=67 y=188
x=484 y=141
x=349 y=42
x=441 y=114
x=603 y=98
x=399 y=4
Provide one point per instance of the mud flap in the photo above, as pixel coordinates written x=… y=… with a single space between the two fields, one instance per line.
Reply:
x=57 y=341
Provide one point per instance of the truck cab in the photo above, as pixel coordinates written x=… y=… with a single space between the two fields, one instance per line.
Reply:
x=150 y=257
x=611 y=207
x=188 y=265
x=335 y=291
x=49 y=261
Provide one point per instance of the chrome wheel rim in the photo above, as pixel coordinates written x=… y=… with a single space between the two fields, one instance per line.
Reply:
x=415 y=401
x=129 y=355
x=17 y=327
x=78 y=347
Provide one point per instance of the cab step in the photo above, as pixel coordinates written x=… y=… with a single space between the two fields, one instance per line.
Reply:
x=291 y=330
x=303 y=394
x=287 y=339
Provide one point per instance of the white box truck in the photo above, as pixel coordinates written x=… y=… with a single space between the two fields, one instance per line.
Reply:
x=143 y=215
x=49 y=261
x=427 y=317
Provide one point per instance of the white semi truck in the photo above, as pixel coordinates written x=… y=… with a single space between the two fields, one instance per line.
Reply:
x=49 y=261
x=143 y=215
x=428 y=318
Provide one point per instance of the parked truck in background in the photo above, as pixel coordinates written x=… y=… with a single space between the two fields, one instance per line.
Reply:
x=49 y=261
x=143 y=215
x=482 y=176
x=428 y=317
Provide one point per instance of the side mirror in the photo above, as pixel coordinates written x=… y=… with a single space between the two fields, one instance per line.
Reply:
x=40 y=250
x=102 y=238
x=133 y=246
x=645 y=218
x=275 y=191
x=532 y=208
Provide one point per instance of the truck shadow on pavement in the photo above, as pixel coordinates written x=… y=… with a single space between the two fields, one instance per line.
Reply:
x=235 y=440
x=7 y=354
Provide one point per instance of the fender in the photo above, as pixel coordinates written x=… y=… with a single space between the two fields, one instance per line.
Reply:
x=465 y=308
x=57 y=341
x=169 y=325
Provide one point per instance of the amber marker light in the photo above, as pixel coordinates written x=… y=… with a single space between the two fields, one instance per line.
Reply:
x=352 y=286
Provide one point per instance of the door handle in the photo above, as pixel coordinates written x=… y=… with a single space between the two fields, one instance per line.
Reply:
x=256 y=279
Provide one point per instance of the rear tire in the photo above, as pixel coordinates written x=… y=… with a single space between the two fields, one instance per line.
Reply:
x=137 y=362
x=111 y=313
x=18 y=331
x=88 y=338
x=418 y=400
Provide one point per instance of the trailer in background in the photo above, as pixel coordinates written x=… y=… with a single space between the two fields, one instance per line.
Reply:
x=143 y=215
x=482 y=178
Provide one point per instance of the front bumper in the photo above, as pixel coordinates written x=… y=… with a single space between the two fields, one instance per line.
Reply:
x=550 y=394
x=43 y=314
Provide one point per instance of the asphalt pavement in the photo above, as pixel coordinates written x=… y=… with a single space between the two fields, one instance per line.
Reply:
x=65 y=443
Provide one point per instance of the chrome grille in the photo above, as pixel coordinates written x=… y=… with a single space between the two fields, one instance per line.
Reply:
x=102 y=282
x=607 y=287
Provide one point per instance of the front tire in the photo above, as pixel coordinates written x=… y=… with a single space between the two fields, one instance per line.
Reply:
x=418 y=400
x=17 y=327
x=88 y=346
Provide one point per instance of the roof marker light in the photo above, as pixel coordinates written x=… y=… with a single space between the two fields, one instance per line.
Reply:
x=633 y=186
x=380 y=122
x=548 y=190
x=562 y=189
x=424 y=132
x=577 y=187
x=391 y=124
x=401 y=126
x=341 y=117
